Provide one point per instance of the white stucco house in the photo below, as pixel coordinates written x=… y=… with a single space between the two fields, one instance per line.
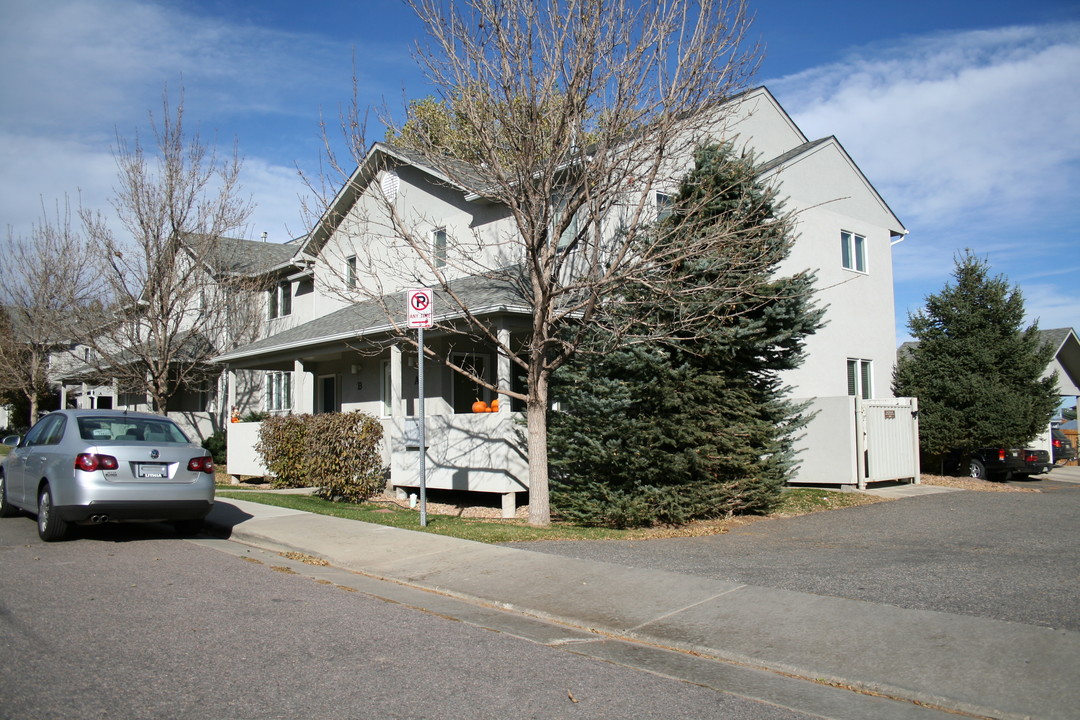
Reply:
x=323 y=353
x=199 y=408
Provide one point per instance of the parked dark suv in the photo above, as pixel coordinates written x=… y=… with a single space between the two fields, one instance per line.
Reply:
x=1002 y=463
x=1063 y=447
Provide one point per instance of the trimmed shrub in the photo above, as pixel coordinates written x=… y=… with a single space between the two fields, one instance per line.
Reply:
x=344 y=455
x=340 y=453
x=281 y=445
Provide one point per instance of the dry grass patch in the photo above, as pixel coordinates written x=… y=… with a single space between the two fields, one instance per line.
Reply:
x=967 y=483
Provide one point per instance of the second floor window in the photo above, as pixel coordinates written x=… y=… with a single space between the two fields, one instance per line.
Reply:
x=350 y=272
x=853 y=251
x=571 y=231
x=280 y=300
x=438 y=247
x=859 y=378
x=663 y=205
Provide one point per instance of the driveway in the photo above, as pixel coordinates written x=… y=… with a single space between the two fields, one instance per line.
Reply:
x=1002 y=555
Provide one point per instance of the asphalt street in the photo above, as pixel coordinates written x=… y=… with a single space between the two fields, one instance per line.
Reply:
x=1007 y=556
x=132 y=622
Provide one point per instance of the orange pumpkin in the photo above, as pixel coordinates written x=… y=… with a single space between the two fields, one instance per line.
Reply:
x=495 y=405
x=480 y=406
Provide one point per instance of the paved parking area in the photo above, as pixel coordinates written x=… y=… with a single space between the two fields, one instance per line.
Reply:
x=1002 y=555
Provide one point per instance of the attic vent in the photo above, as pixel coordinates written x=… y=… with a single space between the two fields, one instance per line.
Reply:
x=390 y=183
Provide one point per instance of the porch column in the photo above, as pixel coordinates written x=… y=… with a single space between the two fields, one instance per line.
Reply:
x=230 y=393
x=303 y=389
x=397 y=400
x=504 y=369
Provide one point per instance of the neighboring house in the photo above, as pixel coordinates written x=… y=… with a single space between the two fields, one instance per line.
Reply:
x=324 y=353
x=33 y=342
x=1065 y=362
x=199 y=408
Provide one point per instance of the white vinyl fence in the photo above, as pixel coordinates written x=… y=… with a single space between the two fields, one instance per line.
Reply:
x=852 y=441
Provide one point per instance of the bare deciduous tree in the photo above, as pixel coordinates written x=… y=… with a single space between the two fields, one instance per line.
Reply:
x=174 y=279
x=45 y=280
x=571 y=112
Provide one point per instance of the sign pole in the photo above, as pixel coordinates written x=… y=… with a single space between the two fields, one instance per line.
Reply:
x=423 y=424
x=418 y=310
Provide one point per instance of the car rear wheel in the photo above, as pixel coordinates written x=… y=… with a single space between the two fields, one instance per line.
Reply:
x=976 y=469
x=6 y=508
x=50 y=526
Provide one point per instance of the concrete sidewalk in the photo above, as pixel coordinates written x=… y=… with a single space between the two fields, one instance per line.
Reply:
x=958 y=663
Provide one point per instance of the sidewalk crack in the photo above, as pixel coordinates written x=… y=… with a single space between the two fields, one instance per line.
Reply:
x=684 y=609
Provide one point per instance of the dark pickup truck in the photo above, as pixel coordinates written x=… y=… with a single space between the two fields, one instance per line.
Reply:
x=1063 y=447
x=1002 y=463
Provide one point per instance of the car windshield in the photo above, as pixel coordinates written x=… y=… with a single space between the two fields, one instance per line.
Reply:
x=129 y=429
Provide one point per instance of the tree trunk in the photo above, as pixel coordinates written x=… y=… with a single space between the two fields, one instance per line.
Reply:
x=536 y=414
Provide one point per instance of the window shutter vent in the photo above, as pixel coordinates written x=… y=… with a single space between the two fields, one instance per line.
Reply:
x=390 y=183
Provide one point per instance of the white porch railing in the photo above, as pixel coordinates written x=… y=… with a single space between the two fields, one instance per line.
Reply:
x=479 y=452
x=242 y=458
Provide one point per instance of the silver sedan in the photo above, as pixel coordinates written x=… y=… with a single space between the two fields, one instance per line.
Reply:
x=96 y=466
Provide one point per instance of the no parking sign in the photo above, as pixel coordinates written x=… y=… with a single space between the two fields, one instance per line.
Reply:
x=418 y=308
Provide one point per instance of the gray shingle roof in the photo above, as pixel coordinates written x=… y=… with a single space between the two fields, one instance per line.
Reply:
x=468 y=175
x=1055 y=338
x=482 y=295
x=233 y=255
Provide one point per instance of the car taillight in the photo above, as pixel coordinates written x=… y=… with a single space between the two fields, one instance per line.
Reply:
x=89 y=462
x=1001 y=454
x=201 y=464
x=1057 y=443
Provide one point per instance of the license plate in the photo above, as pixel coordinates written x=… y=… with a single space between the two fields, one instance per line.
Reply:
x=152 y=471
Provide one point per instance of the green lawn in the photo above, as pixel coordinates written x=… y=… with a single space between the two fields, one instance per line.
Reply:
x=795 y=502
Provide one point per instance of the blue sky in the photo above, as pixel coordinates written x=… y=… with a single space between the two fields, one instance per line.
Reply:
x=964 y=114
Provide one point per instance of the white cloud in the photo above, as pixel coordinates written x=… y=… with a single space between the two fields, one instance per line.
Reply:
x=39 y=170
x=280 y=198
x=948 y=126
x=78 y=72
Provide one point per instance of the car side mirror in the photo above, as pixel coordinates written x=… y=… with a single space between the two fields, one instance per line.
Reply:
x=12 y=440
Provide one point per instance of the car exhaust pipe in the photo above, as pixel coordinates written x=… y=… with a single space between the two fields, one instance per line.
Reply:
x=99 y=519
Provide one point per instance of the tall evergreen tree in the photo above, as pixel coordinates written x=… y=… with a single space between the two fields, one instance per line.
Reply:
x=976 y=371
x=691 y=422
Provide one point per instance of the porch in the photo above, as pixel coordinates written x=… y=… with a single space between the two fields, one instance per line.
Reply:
x=478 y=453
x=378 y=375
